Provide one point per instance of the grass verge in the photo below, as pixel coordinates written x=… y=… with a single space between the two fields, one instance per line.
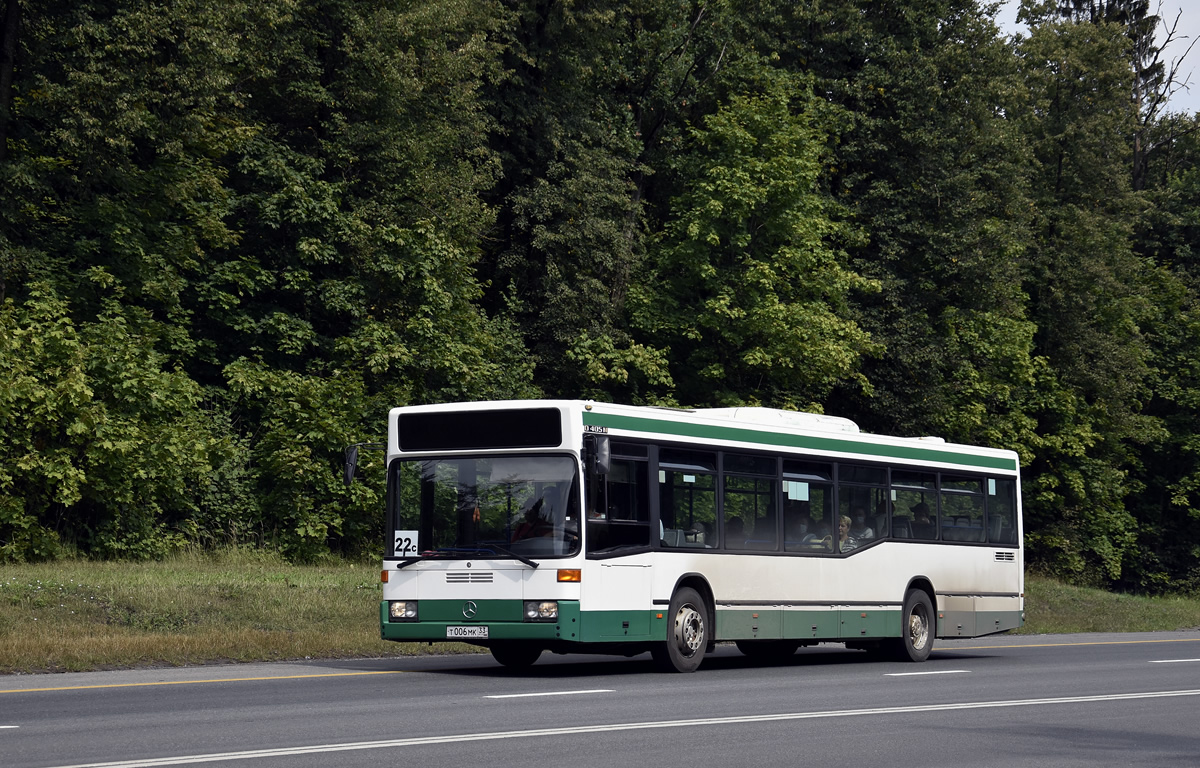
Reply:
x=1052 y=607
x=253 y=606
x=192 y=609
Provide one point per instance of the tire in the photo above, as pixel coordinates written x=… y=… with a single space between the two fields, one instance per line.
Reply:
x=687 y=634
x=772 y=651
x=516 y=655
x=917 y=628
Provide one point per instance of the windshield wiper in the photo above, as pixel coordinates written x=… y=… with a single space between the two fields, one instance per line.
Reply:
x=510 y=553
x=424 y=555
x=490 y=549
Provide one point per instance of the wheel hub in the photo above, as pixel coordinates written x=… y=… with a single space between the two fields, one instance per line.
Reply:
x=689 y=630
x=918 y=629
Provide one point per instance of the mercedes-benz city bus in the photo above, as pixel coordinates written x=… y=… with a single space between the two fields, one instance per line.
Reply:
x=572 y=526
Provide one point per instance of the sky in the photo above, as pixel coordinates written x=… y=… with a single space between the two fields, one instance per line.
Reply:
x=1187 y=30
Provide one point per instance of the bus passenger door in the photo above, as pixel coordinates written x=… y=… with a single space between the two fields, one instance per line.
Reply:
x=615 y=593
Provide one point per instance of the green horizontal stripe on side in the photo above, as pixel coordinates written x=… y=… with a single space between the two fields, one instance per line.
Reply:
x=805 y=442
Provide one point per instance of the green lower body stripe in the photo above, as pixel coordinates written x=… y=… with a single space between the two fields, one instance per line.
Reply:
x=442 y=620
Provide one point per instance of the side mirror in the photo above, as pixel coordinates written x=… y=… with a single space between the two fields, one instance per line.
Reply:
x=599 y=459
x=352 y=458
x=351 y=463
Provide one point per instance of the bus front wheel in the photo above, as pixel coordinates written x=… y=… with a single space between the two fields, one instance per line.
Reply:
x=917 y=628
x=515 y=655
x=687 y=633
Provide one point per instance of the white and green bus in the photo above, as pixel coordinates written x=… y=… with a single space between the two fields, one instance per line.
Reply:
x=571 y=526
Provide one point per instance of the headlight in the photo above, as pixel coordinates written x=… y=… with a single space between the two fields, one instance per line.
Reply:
x=402 y=610
x=541 y=610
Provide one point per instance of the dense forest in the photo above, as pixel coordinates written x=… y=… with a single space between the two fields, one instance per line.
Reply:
x=234 y=233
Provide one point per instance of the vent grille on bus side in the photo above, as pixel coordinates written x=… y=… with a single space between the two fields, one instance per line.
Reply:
x=468 y=577
x=1006 y=557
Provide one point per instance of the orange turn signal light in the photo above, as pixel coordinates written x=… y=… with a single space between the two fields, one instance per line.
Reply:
x=570 y=574
x=383 y=577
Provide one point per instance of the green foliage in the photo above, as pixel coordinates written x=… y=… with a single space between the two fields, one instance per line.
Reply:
x=277 y=212
x=593 y=107
x=233 y=235
x=103 y=443
x=747 y=287
x=1088 y=297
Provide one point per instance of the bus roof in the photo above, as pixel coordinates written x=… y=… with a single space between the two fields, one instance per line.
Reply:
x=749 y=428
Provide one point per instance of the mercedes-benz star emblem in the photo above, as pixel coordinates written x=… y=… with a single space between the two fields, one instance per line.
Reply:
x=470 y=609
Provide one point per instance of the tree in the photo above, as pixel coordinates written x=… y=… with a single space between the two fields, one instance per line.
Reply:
x=106 y=446
x=746 y=291
x=1154 y=80
x=594 y=104
x=287 y=200
x=1089 y=297
x=931 y=169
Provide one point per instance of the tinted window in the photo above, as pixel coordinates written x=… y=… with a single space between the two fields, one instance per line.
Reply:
x=1002 y=511
x=808 y=470
x=962 y=508
x=622 y=514
x=749 y=465
x=749 y=508
x=688 y=498
x=849 y=473
x=472 y=430
x=807 y=513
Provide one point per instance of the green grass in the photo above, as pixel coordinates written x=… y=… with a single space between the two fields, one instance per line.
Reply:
x=1052 y=607
x=193 y=609
x=250 y=606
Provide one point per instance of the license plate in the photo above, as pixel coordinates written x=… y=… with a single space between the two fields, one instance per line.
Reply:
x=453 y=633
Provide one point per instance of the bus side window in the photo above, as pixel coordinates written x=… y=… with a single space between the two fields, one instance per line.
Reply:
x=1002 y=511
x=748 y=508
x=627 y=499
x=687 y=498
x=808 y=507
x=962 y=509
x=914 y=504
x=861 y=497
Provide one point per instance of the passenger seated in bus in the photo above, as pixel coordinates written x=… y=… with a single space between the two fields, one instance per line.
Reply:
x=922 y=525
x=534 y=525
x=796 y=523
x=859 y=529
x=820 y=529
x=846 y=542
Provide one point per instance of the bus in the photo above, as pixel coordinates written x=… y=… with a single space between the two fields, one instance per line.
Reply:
x=578 y=526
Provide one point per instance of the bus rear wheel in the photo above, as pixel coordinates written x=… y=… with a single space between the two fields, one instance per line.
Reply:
x=917 y=629
x=687 y=634
x=516 y=655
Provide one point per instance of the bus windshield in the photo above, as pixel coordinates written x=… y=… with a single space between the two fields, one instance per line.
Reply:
x=499 y=506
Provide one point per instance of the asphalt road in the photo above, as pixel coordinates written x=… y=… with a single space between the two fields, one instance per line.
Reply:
x=1061 y=700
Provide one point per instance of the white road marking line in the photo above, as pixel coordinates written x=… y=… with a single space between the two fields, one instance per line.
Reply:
x=546 y=693
x=1172 y=661
x=934 y=672
x=571 y=730
x=10 y=726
